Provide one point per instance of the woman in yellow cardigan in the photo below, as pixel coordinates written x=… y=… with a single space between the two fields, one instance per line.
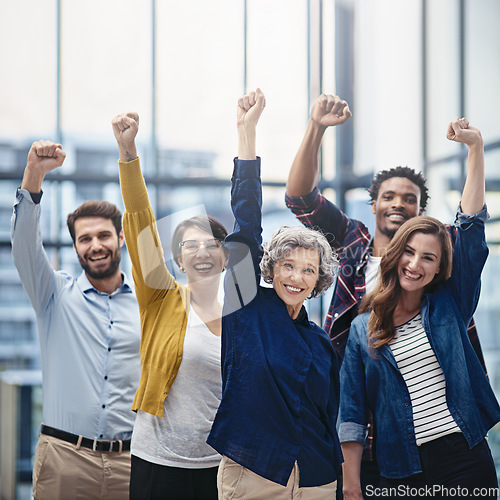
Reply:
x=180 y=386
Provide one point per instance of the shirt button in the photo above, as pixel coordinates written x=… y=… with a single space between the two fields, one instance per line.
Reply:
x=101 y=435
x=336 y=315
x=406 y=403
x=111 y=322
x=109 y=349
x=410 y=436
x=104 y=406
x=105 y=377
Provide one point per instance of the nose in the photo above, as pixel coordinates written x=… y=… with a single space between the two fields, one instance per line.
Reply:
x=95 y=244
x=397 y=201
x=414 y=261
x=202 y=249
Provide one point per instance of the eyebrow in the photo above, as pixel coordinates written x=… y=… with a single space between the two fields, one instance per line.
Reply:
x=390 y=191
x=425 y=253
x=106 y=231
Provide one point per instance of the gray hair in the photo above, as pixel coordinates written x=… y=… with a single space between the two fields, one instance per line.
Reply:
x=287 y=238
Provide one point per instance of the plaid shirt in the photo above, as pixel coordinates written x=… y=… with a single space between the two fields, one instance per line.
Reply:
x=351 y=240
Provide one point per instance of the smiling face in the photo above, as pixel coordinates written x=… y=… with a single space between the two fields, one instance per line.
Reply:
x=98 y=246
x=420 y=262
x=295 y=277
x=201 y=255
x=397 y=201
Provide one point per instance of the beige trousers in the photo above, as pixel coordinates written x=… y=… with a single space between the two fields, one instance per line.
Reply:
x=61 y=471
x=235 y=482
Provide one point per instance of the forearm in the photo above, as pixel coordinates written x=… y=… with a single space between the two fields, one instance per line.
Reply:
x=473 y=196
x=351 y=469
x=246 y=142
x=304 y=173
x=30 y=259
x=32 y=179
x=127 y=150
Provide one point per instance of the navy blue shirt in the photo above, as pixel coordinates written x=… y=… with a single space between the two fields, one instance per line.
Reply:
x=280 y=376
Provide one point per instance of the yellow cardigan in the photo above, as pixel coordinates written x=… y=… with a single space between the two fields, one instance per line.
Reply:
x=163 y=303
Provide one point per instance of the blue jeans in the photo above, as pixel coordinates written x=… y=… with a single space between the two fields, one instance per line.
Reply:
x=449 y=468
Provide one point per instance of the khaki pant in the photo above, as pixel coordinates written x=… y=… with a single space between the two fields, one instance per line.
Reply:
x=235 y=482
x=61 y=471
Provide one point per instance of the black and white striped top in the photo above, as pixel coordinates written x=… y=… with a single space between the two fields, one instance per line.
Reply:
x=425 y=381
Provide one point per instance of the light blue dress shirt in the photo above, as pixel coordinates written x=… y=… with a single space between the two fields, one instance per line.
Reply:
x=89 y=340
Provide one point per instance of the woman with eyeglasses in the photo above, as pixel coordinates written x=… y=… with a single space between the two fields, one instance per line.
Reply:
x=180 y=386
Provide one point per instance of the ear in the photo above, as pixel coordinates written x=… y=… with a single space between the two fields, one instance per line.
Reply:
x=179 y=260
x=374 y=207
x=121 y=238
x=421 y=211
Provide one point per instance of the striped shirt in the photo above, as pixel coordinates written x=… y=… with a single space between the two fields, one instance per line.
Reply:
x=425 y=381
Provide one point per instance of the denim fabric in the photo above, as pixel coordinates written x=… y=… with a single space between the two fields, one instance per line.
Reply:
x=374 y=382
x=280 y=376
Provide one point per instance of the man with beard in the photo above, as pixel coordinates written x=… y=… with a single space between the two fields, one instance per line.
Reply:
x=89 y=333
x=397 y=195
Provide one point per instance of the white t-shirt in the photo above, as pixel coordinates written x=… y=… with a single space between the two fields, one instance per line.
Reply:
x=372 y=272
x=178 y=438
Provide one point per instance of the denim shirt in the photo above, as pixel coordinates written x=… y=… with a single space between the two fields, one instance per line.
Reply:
x=280 y=376
x=374 y=382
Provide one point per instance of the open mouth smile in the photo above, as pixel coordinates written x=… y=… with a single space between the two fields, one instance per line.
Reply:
x=97 y=258
x=203 y=267
x=396 y=217
x=293 y=289
x=411 y=275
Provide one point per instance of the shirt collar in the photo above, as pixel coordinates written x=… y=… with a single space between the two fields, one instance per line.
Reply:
x=86 y=285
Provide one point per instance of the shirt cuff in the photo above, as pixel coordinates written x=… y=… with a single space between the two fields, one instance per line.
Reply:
x=465 y=220
x=351 y=431
x=246 y=169
x=307 y=200
x=35 y=197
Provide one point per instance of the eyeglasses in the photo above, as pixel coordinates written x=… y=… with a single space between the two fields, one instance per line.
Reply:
x=192 y=246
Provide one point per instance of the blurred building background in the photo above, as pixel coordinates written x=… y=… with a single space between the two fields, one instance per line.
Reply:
x=406 y=67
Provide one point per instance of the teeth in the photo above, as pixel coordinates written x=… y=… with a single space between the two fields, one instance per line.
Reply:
x=411 y=275
x=396 y=217
x=203 y=266
x=99 y=257
x=292 y=288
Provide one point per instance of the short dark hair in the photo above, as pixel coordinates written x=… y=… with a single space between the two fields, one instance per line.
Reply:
x=205 y=223
x=95 y=208
x=406 y=172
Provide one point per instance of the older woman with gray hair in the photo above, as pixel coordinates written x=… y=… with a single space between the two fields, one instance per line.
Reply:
x=276 y=424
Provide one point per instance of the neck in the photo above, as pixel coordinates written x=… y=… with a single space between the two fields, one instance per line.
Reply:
x=204 y=292
x=380 y=243
x=293 y=311
x=408 y=306
x=107 y=285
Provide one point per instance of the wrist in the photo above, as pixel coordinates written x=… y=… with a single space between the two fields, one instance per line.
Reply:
x=32 y=179
x=128 y=152
x=477 y=144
